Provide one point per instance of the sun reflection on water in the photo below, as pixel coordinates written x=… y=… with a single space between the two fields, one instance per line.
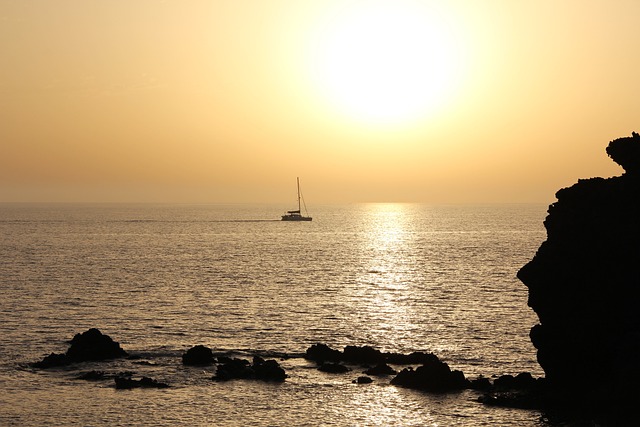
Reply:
x=384 y=279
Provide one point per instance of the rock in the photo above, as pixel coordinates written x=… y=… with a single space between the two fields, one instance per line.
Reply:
x=124 y=383
x=51 y=361
x=92 y=376
x=584 y=285
x=263 y=370
x=364 y=354
x=322 y=353
x=481 y=383
x=522 y=381
x=268 y=370
x=626 y=152
x=234 y=369
x=363 y=380
x=432 y=377
x=381 y=369
x=519 y=399
x=91 y=345
x=198 y=355
x=333 y=368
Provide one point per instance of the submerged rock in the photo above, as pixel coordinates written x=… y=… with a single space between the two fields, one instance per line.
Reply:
x=333 y=368
x=198 y=355
x=363 y=380
x=584 y=285
x=381 y=369
x=124 y=383
x=51 y=361
x=93 y=376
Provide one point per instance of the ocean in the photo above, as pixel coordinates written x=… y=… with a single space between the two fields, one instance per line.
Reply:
x=160 y=279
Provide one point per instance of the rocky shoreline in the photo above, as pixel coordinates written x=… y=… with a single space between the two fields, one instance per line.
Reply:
x=420 y=371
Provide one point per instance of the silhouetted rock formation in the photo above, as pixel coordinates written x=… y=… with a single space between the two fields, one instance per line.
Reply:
x=51 y=361
x=94 y=345
x=198 y=356
x=260 y=369
x=522 y=391
x=584 y=284
x=365 y=355
x=626 y=153
x=381 y=369
x=322 y=353
x=362 y=355
x=90 y=345
x=435 y=376
x=362 y=380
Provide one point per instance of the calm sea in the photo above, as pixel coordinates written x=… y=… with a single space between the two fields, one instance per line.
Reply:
x=162 y=278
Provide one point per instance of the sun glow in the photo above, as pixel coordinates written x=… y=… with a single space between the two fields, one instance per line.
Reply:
x=388 y=61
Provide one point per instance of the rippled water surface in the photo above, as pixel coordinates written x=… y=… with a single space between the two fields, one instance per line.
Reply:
x=160 y=279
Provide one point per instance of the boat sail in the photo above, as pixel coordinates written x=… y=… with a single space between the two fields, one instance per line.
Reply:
x=296 y=215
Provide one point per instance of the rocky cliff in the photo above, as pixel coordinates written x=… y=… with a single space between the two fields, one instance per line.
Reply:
x=584 y=284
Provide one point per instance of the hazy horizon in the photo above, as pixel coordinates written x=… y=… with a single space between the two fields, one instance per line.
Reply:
x=366 y=101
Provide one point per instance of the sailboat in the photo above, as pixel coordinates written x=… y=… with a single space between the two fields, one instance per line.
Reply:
x=296 y=215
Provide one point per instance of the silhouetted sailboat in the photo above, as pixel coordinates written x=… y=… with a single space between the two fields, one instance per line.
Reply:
x=296 y=215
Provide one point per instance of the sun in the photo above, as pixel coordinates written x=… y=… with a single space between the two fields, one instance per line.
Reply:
x=387 y=61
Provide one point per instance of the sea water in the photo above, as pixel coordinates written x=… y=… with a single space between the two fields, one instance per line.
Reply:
x=160 y=279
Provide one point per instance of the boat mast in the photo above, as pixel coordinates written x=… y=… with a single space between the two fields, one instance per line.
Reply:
x=298 y=181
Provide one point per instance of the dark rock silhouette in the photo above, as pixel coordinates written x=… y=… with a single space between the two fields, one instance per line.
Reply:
x=333 y=368
x=260 y=369
x=322 y=353
x=366 y=355
x=124 y=383
x=198 y=355
x=584 y=285
x=626 y=153
x=522 y=391
x=435 y=376
x=522 y=381
x=362 y=380
x=381 y=369
x=481 y=383
x=234 y=368
x=51 y=361
x=94 y=345
x=91 y=345
x=268 y=370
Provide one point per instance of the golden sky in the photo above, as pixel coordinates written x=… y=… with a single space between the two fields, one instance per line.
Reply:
x=366 y=100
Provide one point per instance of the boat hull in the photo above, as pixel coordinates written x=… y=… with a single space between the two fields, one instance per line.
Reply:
x=296 y=218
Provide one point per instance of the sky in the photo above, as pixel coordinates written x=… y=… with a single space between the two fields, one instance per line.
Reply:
x=228 y=101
